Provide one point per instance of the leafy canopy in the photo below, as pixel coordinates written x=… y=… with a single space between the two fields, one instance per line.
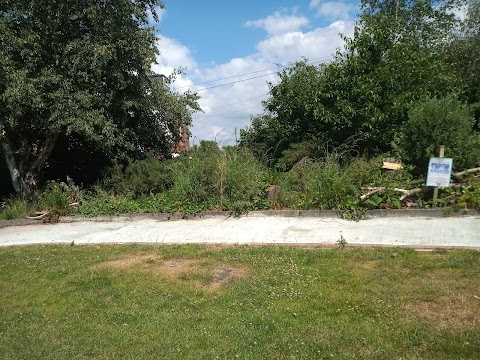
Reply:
x=397 y=56
x=79 y=68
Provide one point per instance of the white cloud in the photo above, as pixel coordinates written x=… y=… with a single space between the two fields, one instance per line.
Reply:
x=241 y=97
x=174 y=55
x=332 y=9
x=320 y=42
x=162 y=13
x=228 y=108
x=279 y=23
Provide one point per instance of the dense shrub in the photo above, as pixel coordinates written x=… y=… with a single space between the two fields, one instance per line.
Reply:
x=141 y=177
x=440 y=121
x=207 y=177
x=331 y=183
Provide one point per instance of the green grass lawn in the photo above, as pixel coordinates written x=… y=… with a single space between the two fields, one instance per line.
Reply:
x=199 y=302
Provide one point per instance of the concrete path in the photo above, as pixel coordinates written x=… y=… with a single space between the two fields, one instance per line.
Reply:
x=258 y=229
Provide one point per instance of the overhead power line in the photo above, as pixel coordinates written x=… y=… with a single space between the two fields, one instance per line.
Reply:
x=249 y=73
x=317 y=60
x=228 y=113
x=238 y=102
x=234 y=82
x=225 y=78
x=313 y=61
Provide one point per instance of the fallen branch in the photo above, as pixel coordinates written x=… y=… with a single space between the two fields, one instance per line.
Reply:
x=371 y=192
x=41 y=215
x=408 y=193
x=459 y=174
x=415 y=182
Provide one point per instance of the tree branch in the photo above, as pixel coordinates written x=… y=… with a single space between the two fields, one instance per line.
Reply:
x=459 y=174
x=371 y=192
x=44 y=153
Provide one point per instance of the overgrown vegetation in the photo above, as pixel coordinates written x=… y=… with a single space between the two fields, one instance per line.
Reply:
x=406 y=83
x=78 y=73
x=407 y=62
x=195 y=302
x=232 y=179
x=436 y=121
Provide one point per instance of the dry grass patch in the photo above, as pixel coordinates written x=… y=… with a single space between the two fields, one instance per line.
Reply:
x=197 y=273
x=456 y=311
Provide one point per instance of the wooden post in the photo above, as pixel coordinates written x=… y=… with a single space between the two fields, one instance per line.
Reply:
x=435 y=189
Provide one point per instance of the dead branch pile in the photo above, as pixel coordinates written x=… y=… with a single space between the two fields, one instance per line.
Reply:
x=406 y=194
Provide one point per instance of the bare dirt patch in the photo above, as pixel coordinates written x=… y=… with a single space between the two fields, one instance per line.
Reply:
x=194 y=272
x=223 y=274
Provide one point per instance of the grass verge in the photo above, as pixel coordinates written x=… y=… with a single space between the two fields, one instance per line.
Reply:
x=198 y=302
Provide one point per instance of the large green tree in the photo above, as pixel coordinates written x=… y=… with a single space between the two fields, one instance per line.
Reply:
x=78 y=69
x=397 y=56
x=291 y=113
x=464 y=56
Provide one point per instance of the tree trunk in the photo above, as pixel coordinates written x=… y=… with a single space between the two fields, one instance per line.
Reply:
x=25 y=182
x=10 y=159
x=12 y=167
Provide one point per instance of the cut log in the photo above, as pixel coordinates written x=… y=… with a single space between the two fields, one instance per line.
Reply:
x=392 y=166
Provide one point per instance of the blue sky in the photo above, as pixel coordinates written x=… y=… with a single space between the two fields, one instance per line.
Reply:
x=229 y=42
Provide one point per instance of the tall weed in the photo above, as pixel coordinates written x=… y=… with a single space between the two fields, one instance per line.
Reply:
x=56 y=197
x=331 y=183
x=15 y=208
x=223 y=179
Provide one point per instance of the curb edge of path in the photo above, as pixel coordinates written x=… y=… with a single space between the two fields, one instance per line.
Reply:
x=375 y=213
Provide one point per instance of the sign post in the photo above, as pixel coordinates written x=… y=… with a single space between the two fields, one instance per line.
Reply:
x=439 y=173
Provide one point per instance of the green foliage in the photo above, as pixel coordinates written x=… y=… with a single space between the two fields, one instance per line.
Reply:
x=14 y=208
x=101 y=202
x=141 y=177
x=440 y=121
x=293 y=115
x=331 y=183
x=397 y=56
x=207 y=178
x=79 y=70
x=220 y=179
x=342 y=242
x=298 y=152
x=56 y=197
x=470 y=197
x=463 y=57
